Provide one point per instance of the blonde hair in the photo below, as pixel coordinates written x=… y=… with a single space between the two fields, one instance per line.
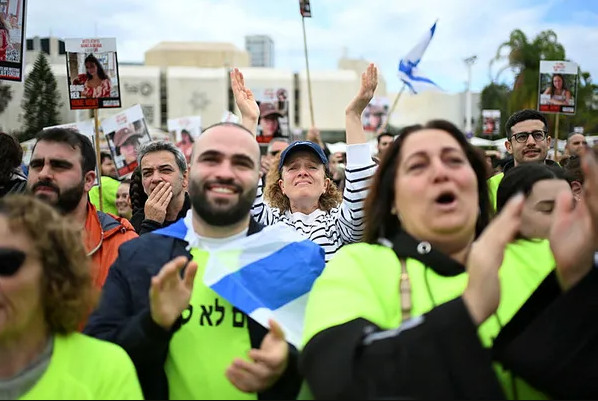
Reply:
x=273 y=194
x=67 y=292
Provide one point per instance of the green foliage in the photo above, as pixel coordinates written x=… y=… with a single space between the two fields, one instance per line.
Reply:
x=523 y=58
x=41 y=99
x=495 y=97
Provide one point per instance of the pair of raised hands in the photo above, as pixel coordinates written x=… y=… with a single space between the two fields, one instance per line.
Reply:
x=573 y=239
x=169 y=297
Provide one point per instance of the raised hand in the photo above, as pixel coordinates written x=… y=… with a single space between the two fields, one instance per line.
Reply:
x=369 y=82
x=169 y=293
x=589 y=165
x=267 y=364
x=250 y=112
x=482 y=295
x=157 y=203
x=313 y=135
x=572 y=238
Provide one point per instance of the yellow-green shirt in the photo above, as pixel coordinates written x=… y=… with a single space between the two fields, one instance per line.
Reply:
x=85 y=368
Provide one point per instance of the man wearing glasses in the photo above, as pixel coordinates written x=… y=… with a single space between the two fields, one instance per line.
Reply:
x=527 y=140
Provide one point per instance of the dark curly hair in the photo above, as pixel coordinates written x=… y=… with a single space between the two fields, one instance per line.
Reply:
x=136 y=193
x=67 y=291
x=379 y=221
x=11 y=155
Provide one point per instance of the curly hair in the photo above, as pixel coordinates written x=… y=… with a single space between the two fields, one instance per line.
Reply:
x=273 y=194
x=11 y=155
x=67 y=291
x=136 y=193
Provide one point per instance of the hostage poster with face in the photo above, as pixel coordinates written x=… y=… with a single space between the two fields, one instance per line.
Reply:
x=125 y=133
x=92 y=73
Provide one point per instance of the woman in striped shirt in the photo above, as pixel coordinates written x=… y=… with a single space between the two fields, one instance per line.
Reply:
x=299 y=190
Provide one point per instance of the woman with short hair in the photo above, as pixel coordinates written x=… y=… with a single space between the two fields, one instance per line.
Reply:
x=45 y=293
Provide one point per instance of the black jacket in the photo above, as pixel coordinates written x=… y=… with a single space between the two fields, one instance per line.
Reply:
x=144 y=226
x=123 y=316
x=434 y=356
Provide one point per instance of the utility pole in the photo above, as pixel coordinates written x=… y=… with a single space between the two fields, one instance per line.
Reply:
x=469 y=61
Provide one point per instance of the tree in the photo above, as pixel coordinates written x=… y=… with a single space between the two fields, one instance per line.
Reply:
x=495 y=97
x=5 y=97
x=41 y=99
x=523 y=58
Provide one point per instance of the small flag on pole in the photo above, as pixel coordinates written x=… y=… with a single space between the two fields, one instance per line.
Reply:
x=305 y=8
x=409 y=72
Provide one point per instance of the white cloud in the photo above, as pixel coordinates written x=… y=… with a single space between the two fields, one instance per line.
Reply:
x=378 y=30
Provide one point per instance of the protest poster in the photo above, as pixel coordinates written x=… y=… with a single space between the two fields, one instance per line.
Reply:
x=274 y=113
x=92 y=73
x=557 y=87
x=12 y=39
x=375 y=114
x=185 y=130
x=125 y=132
x=490 y=122
x=305 y=8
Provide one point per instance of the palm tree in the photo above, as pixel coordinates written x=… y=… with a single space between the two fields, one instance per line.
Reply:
x=523 y=58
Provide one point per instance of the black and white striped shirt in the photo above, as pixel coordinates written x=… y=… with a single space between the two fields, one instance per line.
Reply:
x=339 y=226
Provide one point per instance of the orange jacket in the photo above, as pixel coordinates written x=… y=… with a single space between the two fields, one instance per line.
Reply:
x=104 y=233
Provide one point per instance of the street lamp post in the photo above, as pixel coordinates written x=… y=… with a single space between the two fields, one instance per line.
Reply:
x=469 y=61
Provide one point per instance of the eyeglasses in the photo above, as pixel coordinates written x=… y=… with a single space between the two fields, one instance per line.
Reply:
x=538 y=136
x=11 y=261
x=274 y=152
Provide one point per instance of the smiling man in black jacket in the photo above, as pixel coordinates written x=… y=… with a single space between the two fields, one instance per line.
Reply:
x=185 y=340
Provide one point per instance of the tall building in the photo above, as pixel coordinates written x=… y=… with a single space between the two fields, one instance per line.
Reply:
x=261 y=50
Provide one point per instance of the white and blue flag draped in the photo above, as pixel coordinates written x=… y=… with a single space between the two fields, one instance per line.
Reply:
x=267 y=275
x=409 y=71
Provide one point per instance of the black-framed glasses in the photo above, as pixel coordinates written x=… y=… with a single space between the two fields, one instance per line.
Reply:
x=274 y=152
x=11 y=261
x=538 y=136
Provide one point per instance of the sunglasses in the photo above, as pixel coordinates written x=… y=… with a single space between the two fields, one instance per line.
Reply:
x=11 y=261
x=274 y=152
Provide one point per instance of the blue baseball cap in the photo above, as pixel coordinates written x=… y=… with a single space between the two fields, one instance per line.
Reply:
x=303 y=145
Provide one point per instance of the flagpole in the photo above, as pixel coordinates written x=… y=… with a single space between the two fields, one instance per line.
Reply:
x=98 y=157
x=392 y=108
x=311 y=107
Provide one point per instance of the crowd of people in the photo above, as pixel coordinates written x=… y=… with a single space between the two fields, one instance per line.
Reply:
x=447 y=272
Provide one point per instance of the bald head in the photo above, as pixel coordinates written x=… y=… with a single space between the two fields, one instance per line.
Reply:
x=227 y=134
x=575 y=143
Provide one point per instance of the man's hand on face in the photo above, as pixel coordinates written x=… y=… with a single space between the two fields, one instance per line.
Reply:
x=158 y=201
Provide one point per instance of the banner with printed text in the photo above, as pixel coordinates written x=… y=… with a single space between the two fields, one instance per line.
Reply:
x=12 y=39
x=92 y=73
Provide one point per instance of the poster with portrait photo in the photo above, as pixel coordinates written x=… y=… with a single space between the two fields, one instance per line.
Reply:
x=375 y=114
x=185 y=130
x=86 y=128
x=92 y=73
x=490 y=122
x=12 y=39
x=557 y=89
x=125 y=132
x=274 y=114
x=305 y=8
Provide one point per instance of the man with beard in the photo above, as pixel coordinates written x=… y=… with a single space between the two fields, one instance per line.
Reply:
x=186 y=341
x=61 y=172
x=528 y=141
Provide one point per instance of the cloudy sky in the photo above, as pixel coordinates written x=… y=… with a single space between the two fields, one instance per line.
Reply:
x=381 y=31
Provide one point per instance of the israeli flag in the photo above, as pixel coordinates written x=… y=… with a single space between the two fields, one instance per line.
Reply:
x=267 y=275
x=409 y=72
